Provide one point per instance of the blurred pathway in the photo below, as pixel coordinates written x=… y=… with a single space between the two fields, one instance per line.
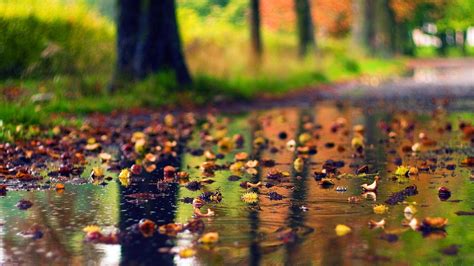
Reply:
x=427 y=78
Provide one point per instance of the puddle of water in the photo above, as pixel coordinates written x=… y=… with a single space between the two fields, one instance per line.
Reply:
x=250 y=235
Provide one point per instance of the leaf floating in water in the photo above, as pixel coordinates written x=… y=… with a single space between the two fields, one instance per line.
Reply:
x=291 y=145
x=409 y=211
x=209 y=238
x=380 y=209
x=187 y=253
x=24 y=204
x=413 y=171
x=450 y=250
x=433 y=223
x=357 y=142
x=469 y=161
x=444 y=193
x=170 y=229
x=91 y=229
x=34 y=232
x=275 y=196
x=60 y=187
x=416 y=147
x=97 y=172
x=374 y=224
x=147 y=227
x=402 y=170
x=124 y=177
x=105 y=156
x=342 y=230
x=298 y=164
x=250 y=197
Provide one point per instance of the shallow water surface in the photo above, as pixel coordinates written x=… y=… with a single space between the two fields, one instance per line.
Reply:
x=297 y=230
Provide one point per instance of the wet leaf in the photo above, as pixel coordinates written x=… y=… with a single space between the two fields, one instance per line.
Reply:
x=171 y=229
x=209 y=238
x=124 y=177
x=298 y=164
x=342 y=230
x=402 y=170
x=91 y=229
x=147 y=227
x=24 y=204
x=380 y=209
x=187 y=253
x=250 y=197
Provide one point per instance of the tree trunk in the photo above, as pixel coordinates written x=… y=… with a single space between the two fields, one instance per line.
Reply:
x=128 y=26
x=464 y=43
x=305 y=28
x=363 y=25
x=403 y=42
x=160 y=46
x=255 y=34
x=384 y=26
x=359 y=24
x=442 y=50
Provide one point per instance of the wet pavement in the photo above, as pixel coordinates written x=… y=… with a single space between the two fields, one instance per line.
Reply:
x=290 y=218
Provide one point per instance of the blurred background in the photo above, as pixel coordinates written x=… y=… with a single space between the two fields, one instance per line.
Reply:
x=61 y=55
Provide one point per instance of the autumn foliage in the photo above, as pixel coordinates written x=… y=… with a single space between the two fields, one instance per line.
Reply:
x=330 y=17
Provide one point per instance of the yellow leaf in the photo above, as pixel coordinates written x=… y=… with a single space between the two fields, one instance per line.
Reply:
x=342 y=230
x=124 y=177
x=209 y=238
x=187 y=253
x=380 y=209
x=298 y=164
x=250 y=197
x=91 y=229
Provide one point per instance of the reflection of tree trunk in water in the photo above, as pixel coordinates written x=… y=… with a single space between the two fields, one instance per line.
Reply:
x=334 y=252
x=375 y=157
x=296 y=218
x=138 y=250
x=254 y=219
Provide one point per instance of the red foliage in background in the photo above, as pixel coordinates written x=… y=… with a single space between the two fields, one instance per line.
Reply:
x=329 y=16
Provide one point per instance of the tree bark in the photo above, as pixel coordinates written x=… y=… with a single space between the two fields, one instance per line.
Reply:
x=305 y=28
x=160 y=46
x=128 y=26
x=384 y=26
x=255 y=33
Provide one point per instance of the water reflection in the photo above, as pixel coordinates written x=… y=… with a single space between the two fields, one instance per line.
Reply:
x=160 y=208
x=275 y=232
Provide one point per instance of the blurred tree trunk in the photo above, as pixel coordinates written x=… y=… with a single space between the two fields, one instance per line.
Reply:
x=464 y=43
x=305 y=28
x=363 y=25
x=128 y=25
x=384 y=28
x=403 y=42
x=359 y=24
x=255 y=32
x=160 y=46
x=442 y=50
